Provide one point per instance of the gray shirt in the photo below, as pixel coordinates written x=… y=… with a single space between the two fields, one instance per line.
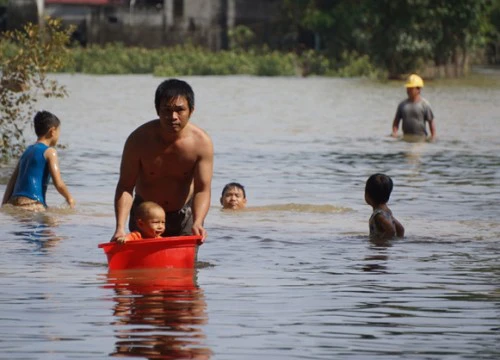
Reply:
x=414 y=115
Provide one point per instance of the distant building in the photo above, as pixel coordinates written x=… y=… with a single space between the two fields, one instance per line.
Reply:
x=153 y=23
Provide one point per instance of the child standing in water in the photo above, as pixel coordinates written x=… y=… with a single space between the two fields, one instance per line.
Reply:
x=382 y=224
x=28 y=184
x=150 y=219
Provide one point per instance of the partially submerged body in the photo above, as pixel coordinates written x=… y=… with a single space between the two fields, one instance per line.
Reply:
x=383 y=225
x=168 y=161
x=415 y=112
x=27 y=186
x=233 y=196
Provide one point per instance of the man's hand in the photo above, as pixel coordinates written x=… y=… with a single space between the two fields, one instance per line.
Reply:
x=118 y=236
x=199 y=230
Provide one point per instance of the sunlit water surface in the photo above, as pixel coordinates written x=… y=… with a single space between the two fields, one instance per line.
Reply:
x=294 y=276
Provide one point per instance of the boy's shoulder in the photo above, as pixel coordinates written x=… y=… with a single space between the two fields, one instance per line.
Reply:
x=41 y=147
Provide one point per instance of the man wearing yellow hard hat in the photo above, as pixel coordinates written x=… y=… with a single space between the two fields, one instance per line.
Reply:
x=415 y=111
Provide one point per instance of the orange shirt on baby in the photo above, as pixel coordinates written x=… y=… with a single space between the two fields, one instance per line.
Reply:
x=134 y=235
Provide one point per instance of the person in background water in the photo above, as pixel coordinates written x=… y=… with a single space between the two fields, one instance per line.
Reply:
x=233 y=196
x=383 y=225
x=169 y=161
x=27 y=186
x=415 y=112
x=150 y=220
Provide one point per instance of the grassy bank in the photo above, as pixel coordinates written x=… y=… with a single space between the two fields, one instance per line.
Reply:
x=190 y=60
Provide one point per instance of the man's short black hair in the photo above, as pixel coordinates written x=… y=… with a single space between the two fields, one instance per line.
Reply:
x=171 y=89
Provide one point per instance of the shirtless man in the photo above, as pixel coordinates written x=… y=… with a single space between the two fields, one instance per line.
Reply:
x=169 y=161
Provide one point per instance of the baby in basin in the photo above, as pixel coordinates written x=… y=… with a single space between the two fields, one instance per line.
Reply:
x=150 y=219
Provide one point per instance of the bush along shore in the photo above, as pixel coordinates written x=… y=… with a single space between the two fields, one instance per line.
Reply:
x=190 y=60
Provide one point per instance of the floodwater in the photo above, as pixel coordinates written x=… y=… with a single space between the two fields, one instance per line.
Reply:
x=294 y=276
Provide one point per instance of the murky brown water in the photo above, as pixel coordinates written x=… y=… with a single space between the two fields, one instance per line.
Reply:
x=295 y=276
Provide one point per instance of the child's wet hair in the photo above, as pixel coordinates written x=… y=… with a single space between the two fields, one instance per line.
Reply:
x=44 y=121
x=173 y=88
x=234 y=185
x=379 y=188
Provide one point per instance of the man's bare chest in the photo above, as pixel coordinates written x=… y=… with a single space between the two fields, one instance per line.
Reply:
x=172 y=161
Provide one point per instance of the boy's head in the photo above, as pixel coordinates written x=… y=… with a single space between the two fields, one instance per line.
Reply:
x=47 y=125
x=150 y=219
x=233 y=196
x=172 y=89
x=378 y=189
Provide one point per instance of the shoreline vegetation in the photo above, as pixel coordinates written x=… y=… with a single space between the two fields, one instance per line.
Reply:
x=188 y=60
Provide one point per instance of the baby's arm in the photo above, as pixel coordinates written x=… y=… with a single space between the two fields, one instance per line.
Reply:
x=51 y=156
x=10 y=185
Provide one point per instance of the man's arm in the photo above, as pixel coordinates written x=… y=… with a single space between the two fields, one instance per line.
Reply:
x=129 y=170
x=432 y=126
x=395 y=126
x=10 y=185
x=55 y=172
x=202 y=188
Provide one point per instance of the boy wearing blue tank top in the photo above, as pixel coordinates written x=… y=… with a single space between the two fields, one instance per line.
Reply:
x=28 y=184
x=383 y=225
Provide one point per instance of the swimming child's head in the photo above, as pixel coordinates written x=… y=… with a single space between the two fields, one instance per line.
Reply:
x=378 y=189
x=47 y=125
x=150 y=219
x=233 y=196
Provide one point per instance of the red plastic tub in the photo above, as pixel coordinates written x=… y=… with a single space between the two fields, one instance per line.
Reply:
x=167 y=252
x=150 y=281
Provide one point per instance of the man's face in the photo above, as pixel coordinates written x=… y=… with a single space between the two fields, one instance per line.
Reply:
x=412 y=92
x=174 y=114
x=233 y=199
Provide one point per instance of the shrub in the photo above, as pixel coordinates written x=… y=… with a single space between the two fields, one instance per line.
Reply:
x=27 y=56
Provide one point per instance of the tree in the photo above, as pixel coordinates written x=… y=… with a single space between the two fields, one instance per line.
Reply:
x=27 y=56
x=399 y=36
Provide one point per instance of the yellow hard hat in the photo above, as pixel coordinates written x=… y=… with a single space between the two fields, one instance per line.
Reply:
x=414 y=81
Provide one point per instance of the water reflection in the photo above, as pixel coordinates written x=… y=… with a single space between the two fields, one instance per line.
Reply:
x=159 y=314
x=376 y=261
x=34 y=227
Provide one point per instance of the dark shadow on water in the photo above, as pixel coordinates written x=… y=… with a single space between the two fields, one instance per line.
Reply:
x=376 y=261
x=159 y=314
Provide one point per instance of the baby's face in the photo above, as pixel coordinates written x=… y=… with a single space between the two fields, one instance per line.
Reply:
x=154 y=225
x=233 y=199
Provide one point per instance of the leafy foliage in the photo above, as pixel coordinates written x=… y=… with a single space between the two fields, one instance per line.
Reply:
x=27 y=56
x=399 y=36
x=190 y=60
